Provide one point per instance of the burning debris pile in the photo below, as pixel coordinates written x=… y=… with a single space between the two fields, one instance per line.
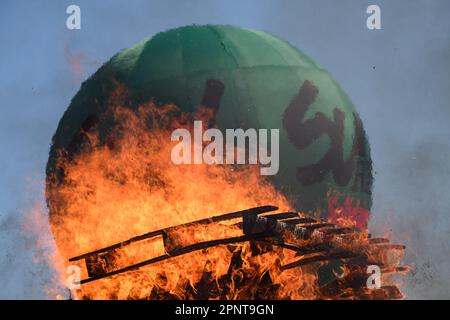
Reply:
x=122 y=183
x=310 y=241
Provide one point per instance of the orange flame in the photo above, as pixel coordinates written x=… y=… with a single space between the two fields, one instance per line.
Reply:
x=129 y=186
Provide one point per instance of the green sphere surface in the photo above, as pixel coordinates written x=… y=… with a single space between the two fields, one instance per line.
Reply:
x=267 y=83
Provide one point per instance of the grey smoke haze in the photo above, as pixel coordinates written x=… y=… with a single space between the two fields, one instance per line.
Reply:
x=398 y=78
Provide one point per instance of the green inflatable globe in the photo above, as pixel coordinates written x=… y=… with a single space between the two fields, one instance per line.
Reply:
x=256 y=80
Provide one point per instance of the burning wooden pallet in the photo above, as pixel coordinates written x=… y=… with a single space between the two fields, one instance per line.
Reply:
x=312 y=240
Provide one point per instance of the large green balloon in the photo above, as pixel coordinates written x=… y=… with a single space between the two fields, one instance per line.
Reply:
x=266 y=83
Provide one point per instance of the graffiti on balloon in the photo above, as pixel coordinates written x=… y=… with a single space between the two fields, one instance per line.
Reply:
x=303 y=133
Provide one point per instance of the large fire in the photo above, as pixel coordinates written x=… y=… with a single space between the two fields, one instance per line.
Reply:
x=128 y=186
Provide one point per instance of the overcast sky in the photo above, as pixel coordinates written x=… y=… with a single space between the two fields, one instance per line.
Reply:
x=398 y=78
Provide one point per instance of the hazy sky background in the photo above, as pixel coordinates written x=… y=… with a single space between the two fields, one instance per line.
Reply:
x=397 y=77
